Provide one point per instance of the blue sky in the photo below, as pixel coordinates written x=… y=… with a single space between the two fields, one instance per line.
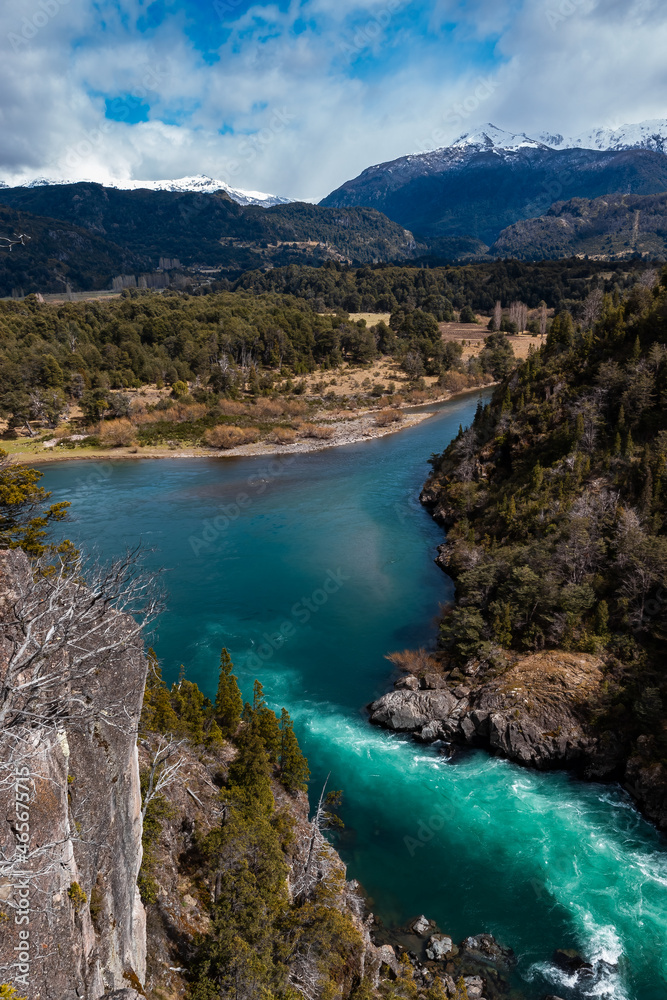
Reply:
x=295 y=96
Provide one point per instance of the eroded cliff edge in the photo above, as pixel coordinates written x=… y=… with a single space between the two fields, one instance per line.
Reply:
x=77 y=778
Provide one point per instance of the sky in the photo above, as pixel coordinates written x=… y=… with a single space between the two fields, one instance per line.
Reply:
x=294 y=97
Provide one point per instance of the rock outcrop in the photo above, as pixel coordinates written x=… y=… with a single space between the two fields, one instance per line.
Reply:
x=532 y=710
x=78 y=784
x=536 y=710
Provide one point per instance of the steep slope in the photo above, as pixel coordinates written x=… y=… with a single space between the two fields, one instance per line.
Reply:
x=616 y=226
x=214 y=230
x=78 y=795
x=476 y=188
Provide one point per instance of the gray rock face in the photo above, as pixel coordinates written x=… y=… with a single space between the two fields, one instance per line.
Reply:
x=87 y=923
x=408 y=711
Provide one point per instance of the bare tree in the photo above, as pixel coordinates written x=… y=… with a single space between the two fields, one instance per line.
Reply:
x=497 y=315
x=519 y=315
x=163 y=770
x=543 y=318
x=66 y=621
x=593 y=308
x=7 y=242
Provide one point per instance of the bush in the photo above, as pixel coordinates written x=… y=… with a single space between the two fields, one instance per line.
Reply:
x=77 y=895
x=467 y=315
x=386 y=417
x=320 y=431
x=283 y=435
x=230 y=437
x=453 y=381
x=117 y=433
x=233 y=408
x=179 y=389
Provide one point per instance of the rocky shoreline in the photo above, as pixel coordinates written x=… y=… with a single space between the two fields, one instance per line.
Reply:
x=536 y=710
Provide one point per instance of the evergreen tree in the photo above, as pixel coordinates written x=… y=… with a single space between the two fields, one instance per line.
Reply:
x=157 y=714
x=294 y=771
x=250 y=771
x=228 y=701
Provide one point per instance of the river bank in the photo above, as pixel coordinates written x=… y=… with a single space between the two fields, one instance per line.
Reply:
x=362 y=426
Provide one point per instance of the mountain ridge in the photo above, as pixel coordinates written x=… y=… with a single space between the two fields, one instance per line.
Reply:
x=196 y=183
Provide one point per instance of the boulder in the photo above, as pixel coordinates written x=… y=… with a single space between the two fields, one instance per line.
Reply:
x=484 y=947
x=570 y=961
x=421 y=926
x=439 y=947
x=408 y=711
x=409 y=683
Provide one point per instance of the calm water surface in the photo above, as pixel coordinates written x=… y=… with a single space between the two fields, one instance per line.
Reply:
x=310 y=569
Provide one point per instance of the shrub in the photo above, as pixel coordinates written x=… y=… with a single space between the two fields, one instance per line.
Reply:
x=269 y=409
x=116 y=433
x=77 y=895
x=386 y=417
x=233 y=408
x=453 y=381
x=294 y=407
x=179 y=389
x=230 y=437
x=283 y=435
x=414 y=661
x=321 y=432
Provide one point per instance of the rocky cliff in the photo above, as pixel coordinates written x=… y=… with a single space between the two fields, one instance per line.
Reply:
x=71 y=797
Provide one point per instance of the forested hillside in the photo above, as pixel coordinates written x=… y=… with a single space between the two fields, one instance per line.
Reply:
x=616 y=226
x=556 y=505
x=197 y=229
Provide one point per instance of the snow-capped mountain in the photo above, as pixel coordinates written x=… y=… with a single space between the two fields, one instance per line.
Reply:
x=199 y=183
x=650 y=134
x=645 y=135
x=490 y=178
x=491 y=137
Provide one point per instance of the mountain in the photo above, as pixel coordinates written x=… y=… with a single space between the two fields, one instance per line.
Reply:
x=134 y=229
x=650 y=134
x=199 y=183
x=489 y=179
x=616 y=226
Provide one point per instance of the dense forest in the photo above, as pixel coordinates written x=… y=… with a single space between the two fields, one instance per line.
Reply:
x=217 y=346
x=556 y=504
x=439 y=289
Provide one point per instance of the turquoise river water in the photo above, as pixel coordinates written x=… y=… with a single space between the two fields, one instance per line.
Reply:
x=310 y=569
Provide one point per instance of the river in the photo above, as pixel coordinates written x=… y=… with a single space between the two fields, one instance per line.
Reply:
x=310 y=569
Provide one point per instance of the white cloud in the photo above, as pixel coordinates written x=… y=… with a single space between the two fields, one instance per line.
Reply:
x=304 y=117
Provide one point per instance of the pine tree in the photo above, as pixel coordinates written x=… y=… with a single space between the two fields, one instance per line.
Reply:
x=250 y=772
x=157 y=714
x=294 y=772
x=228 y=700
